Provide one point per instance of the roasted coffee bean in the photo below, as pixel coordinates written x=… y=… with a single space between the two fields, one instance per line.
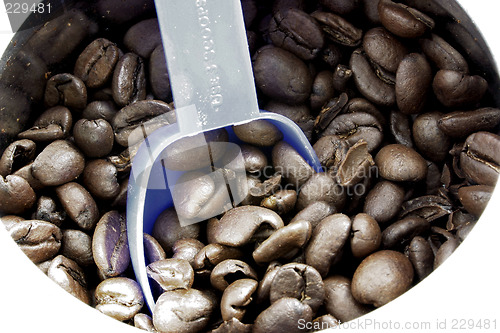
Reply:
x=327 y=240
x=281 y=75
x=293 y=168
x=258 y=190
x=47 y=210
x=26 y=172
x=400 y=128
x=403 y=21
x=187 y=249
x=322 y=89
x=368 y=83
x=322 y=187
x=183 y=311
x=77 y=245
x=480 y=158
x=331 y=149
x=384 y=201
x=282 y=201
x=228 y=271
x=460 y=124
x=381 y=277
x=446 y=248
x=144 y=322
x=296 y=31
x=283 y=316
x=119 y=297
x=143 y=37
x=17 y=154
x=442 y=54
x=324 y=322
x=399 y=163
x=428 y=137
x=39 y=240
x=356 y=164
x=129 y=80
x=236 y=297
x=260 y=133
x=100 y=178
x=53 y=124
x=78 y=204
x=421 y=256
x=430 y=207
x=60 y=162
x=366 y=236
x=94 y=137
x=384 y=48
x=299 y=281
x=401 y=232
x=475 y=198
x=158 y=74
x=167 y=230
x=314 y=213
x=171 y=274
x=213 y=254
x=455 y=89
x=339 y=300
x=413 y=82
x=152 y=249
x=233 y=325
x=100 y=110
x=283 y=241
x=69 y=276
x=16 y=195
x=96 y=63
x=242 y=225
x=341 y=7
x=110 y=245
x=255 y=160
x=66 y=90
x=299 y=114
x=338 y=29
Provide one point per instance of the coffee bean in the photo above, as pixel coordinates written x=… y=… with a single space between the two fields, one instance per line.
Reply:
x=158 y=74
x=100 y=178
x=356 y=164
x=47 y=210
x=384 y=201
x=67 y=90
x=233 y=325
x=187 y=249
x=213 y=254
x=339 y=300
x=53 y=124
x=152 y=249
x=167 y=230
x=259 y=133
x=228 y=271
x=171 y=274
x=338 y=29
x=144 y=322
x=442 y=54
x=421 y=256
x=78 y=204
x=321 y=187
x=77 y=245
x=283 y=316
x=16 y=195
x=475 y=198
x=480 y=159
x=460 y=124
x=314 y=213
x=413 y=82
x=255 y=160
x=399 y=163
x=384 y=48
x=404 y=21
x=455 y=89
x=236 y=297
x=119 y=297
x=428 y=137
x=400 y=128
x=366 y=236
x=110 y=245
x=401 y=232
x=67 y=274
x=282 y=202
x=94 y=137
x=129 y=80
x=293 y=168
x=100 y=110
x=143 y=37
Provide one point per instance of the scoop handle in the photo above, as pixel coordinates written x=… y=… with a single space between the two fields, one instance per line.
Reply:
x=208 y=61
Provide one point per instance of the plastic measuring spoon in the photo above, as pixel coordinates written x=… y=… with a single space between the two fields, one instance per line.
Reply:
x=213 y=87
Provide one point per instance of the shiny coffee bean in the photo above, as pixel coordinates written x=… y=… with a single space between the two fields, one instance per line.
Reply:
x=48 y=210
x=143 y=37
x=341 y=7
x=322 y=90
x=152 y=249
x=475 y=198
x=129 y=80
x=322 y=187
x=399 y=163
x=100 y=178
x=400 y=128
x=233 y=325
x=187 y=249
x=480 y=158
x=339 y=300
x=413 y=82
x=366 y=236
x=384 y=201
x=460 y=124
x=283 y=316
x=17 y=154
x=299 y=281
x=60 y=162
x=213 y=254
x=158 y=74
x=259 y=133
x=255 y=160
x=228 y=271
x=167 y=230
x=183 y=311
x=442 y=54
x=236 y=297
x=455 y=89
x=68 y=275
x=282 y=201
x=399 y=233
x=39 y=240
x=384 y=48
x=94 y=137
x=78 y=204
x=100 y=110
x=54 y=124
x=144 y=322
x=293 y=168
x=421 y=256
x=402 y=20
x=355 y=165
x=120 y=298
x=96 y=63
x=381 y=277
x=110 y=245
x=428 y=137
x=314 y=213
x=26 y=172
x=66 y=90
x=171 y=274
x=338 y=29
x=16 y=195
x=77 y=245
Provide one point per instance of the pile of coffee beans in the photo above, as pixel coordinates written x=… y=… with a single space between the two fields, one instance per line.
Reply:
x=404 y=125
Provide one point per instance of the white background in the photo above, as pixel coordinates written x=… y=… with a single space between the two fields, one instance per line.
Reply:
x=465 y=287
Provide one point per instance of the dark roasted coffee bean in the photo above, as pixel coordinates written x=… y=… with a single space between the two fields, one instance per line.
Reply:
x=158 y=74
x=421 y=256
x=78 y=204
x=384 y=201
x=143 y=37
x=339 y=300
x=281 y=75
x=54 y=124
x=282 y=201
x=39 y=240
x=187 y=249
x=110 y=245
x=67 y=90
x=47 y=210
x=26 y=172
x=329 y=237
x=96 y=63
x=342 y=7
x=460 y=124
x=475 y=198
x=69 y=276
x=255 y=160
x=314 y=213
x=447 y=248
x=356 y=164
x=100 y=110
x=366 y=236
x=299 y=281
x=401 y=232
x=455 y=89
x=152 y=249
x=213 y=254
x=384 y=48
x=400 y=128
x=183 y=311
x=381 y=277
x=399 y=163
x=338 y=29
x=322 y=187
x=430 y=207
x=129 y=80
x=100 y=178
x=297 y=32
x=94 y=137
x=167 y=230
x=233 y=325
x=171 y=274
x=120 y=298
x=480 y=158
x=428 y=137
x=60 y=162
x=228 y=271
x=293 y=168
x=16 y=155
x=236 y=297
x=322 y=89
x=442 y=54
x=283 y=316
x=413 y=82
x=16 y=195
x=77 y=245
x=260 y=133
x=403 y=21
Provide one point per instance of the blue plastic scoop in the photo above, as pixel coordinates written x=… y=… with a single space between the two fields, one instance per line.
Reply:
x=213 y=87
